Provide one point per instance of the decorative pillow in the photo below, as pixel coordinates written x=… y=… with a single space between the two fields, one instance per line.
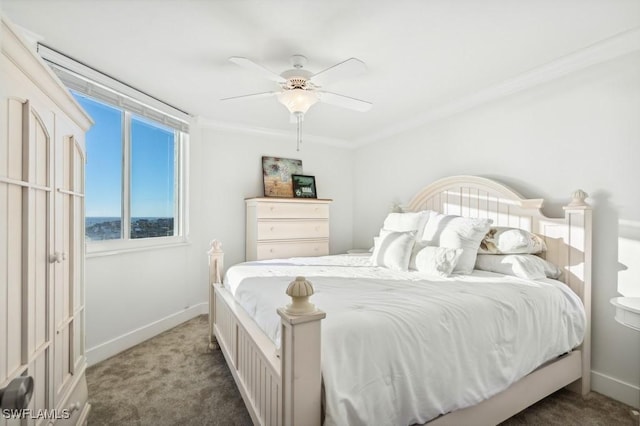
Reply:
x=456 y=232
x=527 y=266
x=404 y=222
x=438 y=261
x=503 y=240
x=393 y=249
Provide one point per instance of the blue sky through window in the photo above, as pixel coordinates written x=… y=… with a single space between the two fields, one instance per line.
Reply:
x=103 y=196
x=152 y=164
x=152 y=170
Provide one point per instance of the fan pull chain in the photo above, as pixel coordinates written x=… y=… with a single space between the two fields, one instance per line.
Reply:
x=299 y=135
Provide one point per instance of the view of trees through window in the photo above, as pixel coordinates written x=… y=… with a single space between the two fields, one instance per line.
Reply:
x=130 y=176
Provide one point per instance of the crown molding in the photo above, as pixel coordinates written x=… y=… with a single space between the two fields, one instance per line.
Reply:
x=620 y=44
x=209 y=123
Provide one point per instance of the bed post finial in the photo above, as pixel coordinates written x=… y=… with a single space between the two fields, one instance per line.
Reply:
x=300 y=290
x=216 y=260
x=578 y=199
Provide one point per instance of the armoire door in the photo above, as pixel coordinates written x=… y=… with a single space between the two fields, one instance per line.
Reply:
x=25 y=241
x=69 y=244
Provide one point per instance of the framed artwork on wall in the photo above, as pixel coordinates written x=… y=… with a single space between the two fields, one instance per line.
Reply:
x=304 y=186
x=276 y=173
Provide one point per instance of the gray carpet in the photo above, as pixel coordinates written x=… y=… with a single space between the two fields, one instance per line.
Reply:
x=173 y=379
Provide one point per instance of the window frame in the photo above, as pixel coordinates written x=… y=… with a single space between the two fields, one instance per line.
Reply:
x=131 y=103
x=125 y=242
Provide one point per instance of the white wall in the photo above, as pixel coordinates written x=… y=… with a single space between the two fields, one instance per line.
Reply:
x=233 y=172
x=580 y=131
x=134 y=296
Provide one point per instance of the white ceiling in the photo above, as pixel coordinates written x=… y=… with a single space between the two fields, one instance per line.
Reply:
x=421 y=54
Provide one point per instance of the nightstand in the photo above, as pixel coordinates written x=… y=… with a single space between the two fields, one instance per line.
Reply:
x=627 y=311
x=628 y=314
x=358 y=251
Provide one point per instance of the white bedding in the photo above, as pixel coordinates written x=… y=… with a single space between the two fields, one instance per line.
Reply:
x=400 y=348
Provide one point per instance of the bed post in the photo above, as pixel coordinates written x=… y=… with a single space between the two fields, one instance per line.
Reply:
x=578 y=215
x=300 y=345
x=216 y=261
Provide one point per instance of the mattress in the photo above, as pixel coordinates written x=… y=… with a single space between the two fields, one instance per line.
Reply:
x=400 y=348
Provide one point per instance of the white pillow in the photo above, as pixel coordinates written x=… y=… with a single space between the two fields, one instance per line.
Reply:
x=438 y=261
x=527 y=266
x=404 y=222
x=457 y=232
x=503 y=240
x=393 y=249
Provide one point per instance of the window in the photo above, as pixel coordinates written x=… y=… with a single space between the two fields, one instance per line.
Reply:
x=148 y=175
x=134 y=192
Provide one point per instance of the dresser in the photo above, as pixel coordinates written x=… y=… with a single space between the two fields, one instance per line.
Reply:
x=42 y=159
x=287 y=227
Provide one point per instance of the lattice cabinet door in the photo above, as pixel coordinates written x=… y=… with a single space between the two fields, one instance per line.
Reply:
x=25 y=245
x=69 y=242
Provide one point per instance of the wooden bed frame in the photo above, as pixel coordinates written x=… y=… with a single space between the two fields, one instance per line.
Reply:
x=284 y=388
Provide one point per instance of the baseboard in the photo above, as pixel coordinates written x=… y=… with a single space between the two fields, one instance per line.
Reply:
x=114 y=346
x=616 y=389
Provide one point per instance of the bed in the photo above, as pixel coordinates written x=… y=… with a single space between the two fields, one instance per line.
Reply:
x=278 y=361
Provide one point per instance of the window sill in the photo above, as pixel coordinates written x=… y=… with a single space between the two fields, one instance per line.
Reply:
x=117 y=247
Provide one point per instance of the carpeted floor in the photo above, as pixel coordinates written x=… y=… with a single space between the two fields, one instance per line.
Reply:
x=173 y=379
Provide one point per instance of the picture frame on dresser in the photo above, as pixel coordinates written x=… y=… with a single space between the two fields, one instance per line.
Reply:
x=304 y=186
x=276 y=176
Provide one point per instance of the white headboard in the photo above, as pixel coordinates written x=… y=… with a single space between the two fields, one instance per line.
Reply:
x=568 y=239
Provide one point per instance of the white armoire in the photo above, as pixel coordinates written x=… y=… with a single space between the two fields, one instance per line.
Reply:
x=41 y=236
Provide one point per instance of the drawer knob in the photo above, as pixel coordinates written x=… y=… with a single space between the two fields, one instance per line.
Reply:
x=272 y=208
x=271 y=250
x=272 y=229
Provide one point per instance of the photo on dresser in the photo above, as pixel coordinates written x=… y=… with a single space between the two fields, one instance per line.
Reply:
x=304 y=186
x=276 y=173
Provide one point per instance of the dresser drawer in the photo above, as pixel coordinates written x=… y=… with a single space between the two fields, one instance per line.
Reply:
x=293 y=249
x=284 y=230
x=292 y=210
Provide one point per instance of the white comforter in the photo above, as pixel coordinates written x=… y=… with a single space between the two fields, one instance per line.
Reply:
x=400 y=348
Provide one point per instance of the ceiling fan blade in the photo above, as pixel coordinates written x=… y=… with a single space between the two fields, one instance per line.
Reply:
x=251 y=96
x=344 y=101
x=352 y=67
x=250 y=65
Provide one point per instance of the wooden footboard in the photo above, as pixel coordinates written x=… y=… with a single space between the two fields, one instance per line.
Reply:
x=277 y=389
x=251 y=357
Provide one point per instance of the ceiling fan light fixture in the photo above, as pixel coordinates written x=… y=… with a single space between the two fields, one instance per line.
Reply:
x=298 y=100
x=300 y=88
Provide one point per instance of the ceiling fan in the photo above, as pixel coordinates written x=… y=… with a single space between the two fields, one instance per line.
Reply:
x=300 y=88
